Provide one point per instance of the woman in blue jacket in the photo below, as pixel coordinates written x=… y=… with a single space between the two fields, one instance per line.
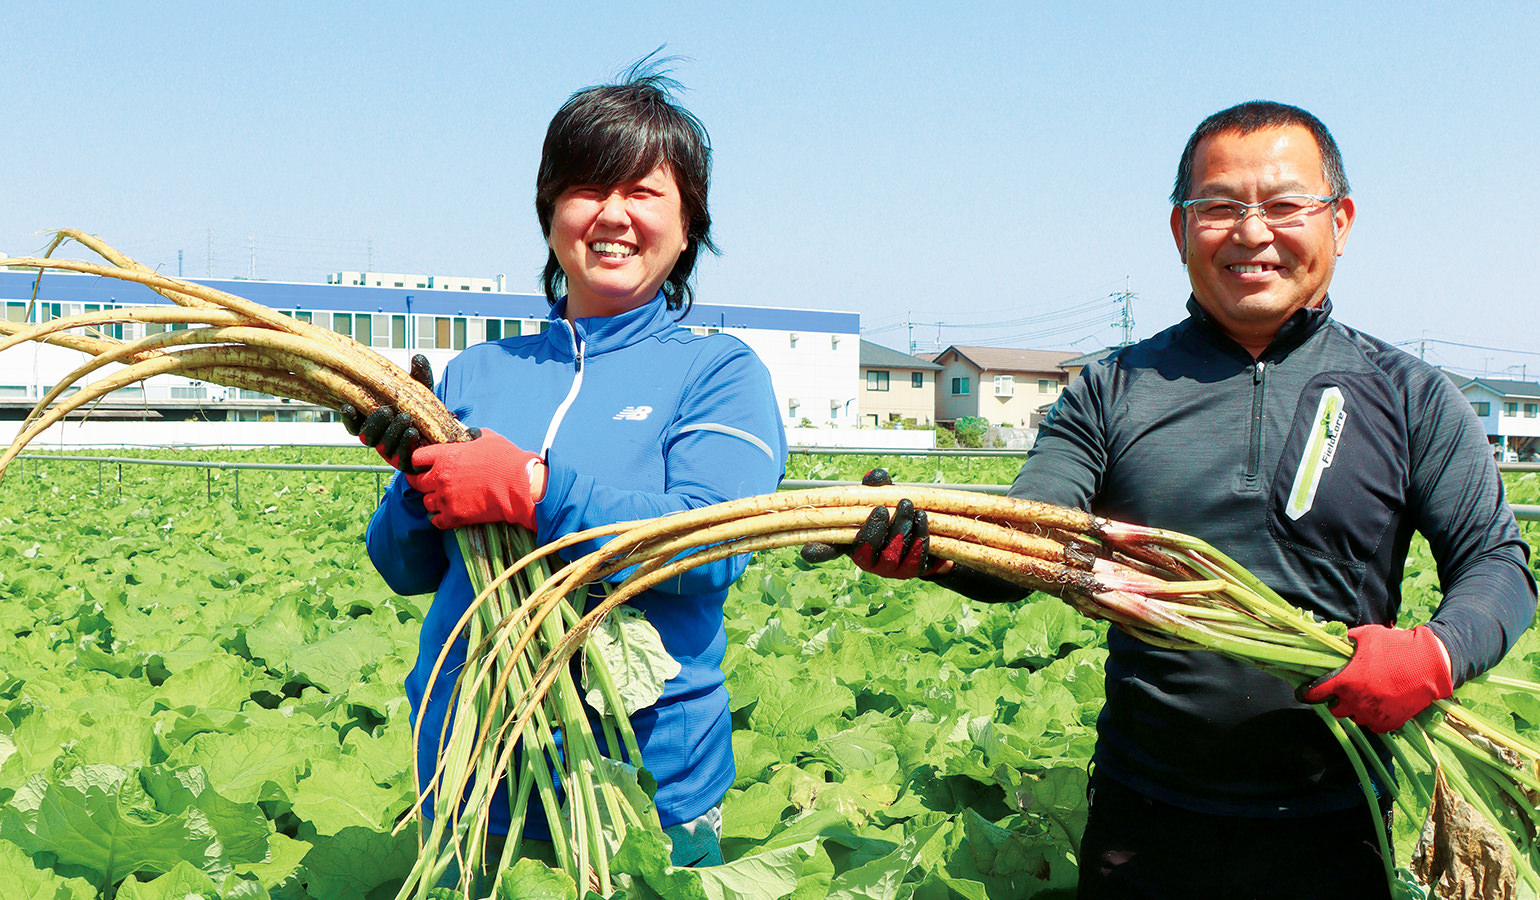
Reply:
x=612 y=413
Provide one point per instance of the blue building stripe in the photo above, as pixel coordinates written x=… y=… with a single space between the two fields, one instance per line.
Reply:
x=62 y=287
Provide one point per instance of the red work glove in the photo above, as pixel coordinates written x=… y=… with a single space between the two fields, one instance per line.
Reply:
x=1395 y=673
x=893 y=546
x=476 y=482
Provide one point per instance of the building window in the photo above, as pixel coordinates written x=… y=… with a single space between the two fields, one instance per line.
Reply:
x=342 y=323
x=959 y=387
x=16 y=312
x=1510 y=409
x=1531 y=410
x=441 y=331
x=497 y=329
x=398 y=332
x=1005 y=385
x=1047 y=385
x=1483 y=409
x=916 y=379
x=876 y=380
x=459 y=333
x=363 y=329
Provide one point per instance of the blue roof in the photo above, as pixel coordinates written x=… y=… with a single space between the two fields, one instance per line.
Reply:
x=69 y=287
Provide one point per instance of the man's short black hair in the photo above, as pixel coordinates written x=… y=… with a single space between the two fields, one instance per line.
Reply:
x=1255 y=115
x=608 y=134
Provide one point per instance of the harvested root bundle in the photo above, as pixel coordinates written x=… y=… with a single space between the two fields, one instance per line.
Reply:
x=589 y=800
x=1168 y=589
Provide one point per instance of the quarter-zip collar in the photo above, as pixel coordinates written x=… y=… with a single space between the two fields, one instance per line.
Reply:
x=596 y=335
x=585 y=338
x=1299 y=326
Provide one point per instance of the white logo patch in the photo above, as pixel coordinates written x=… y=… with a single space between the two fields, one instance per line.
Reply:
x=634 y=413
x=1319 y=452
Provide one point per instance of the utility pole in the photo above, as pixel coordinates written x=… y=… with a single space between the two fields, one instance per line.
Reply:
x=1126 y=320
x=909 y=324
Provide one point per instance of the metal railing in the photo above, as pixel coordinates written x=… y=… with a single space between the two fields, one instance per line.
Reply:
x=1522 y=511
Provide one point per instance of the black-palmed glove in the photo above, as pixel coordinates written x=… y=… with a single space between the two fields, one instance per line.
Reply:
x=392 y=434
x=895 y=545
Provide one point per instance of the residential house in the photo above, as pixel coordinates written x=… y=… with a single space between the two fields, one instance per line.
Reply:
x=1005 y=386
x=896 y=387
x=1509 y=411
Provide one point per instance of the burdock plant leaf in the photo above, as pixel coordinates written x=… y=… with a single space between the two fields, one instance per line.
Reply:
x=1460 y=853
x=633 y=651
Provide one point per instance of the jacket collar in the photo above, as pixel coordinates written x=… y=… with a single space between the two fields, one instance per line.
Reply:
x=600 y=334
x=1295 y=330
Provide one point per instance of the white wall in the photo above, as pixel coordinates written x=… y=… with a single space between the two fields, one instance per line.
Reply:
x=814 y=370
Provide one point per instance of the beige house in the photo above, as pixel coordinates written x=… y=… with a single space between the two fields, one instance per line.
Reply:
x=1004 y=386
x=895 y=387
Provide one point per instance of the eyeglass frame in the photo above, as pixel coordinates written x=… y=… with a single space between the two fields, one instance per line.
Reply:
x=1246 y=209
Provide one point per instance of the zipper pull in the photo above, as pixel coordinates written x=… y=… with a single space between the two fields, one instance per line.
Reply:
x=1257 y=372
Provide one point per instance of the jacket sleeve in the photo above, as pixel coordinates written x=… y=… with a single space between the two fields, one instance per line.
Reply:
x=403 y=544
x=401 y=540
x=1489 y=593
x=726 y=442
x=1067 y=461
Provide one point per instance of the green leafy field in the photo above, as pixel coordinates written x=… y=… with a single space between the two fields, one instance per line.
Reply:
x=201 y=696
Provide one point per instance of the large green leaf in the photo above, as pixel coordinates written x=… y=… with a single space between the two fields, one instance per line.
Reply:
x=633 y=653
x=24 y=881
x=101 y=819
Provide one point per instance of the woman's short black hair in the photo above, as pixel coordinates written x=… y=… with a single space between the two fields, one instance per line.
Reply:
x=608 y=134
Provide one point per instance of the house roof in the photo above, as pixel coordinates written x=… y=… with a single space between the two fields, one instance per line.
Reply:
x=1505 y=387
x=876 y=356
x=1007 y=359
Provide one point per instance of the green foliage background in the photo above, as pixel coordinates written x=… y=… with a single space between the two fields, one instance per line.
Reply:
x=200 y=695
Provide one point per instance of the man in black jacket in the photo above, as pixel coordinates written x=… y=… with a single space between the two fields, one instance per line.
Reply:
x=1307 y=451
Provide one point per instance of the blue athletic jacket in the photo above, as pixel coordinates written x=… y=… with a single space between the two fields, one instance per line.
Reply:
x=636 y=418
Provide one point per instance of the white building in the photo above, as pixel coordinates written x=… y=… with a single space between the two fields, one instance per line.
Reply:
x=812 y=354
x=1510 y=413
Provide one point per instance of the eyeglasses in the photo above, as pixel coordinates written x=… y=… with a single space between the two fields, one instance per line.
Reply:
x=1275 y=212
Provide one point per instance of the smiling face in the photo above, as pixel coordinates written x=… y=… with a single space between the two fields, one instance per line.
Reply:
x=1251 y=277
x=616 y=244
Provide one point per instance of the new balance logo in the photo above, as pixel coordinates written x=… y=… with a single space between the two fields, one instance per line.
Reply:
x=634 y=413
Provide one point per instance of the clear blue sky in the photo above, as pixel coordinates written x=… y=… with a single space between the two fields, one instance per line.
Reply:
x=1002 y=168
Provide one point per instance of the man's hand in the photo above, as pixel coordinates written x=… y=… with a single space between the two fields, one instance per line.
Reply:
x=1395 y=673
x=893 y=546
x=476 y=482
x=392 y=434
